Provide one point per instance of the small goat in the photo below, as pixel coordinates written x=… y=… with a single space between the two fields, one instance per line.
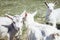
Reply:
x=12 y=28
x=52 y=15
x=41 y=31
x=34 y=32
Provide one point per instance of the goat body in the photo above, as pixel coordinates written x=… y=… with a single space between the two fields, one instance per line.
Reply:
x=5 y=21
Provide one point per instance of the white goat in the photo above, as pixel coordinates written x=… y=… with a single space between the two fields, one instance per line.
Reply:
x=52 y=15
x=42 y=30
x=33 y=30
x=12 y=28
x=7 y=21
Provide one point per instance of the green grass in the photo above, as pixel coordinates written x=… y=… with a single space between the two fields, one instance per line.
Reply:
x=18 y=6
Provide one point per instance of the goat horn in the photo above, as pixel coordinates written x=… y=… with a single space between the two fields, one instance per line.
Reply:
x=9 y=16
x=46 y=4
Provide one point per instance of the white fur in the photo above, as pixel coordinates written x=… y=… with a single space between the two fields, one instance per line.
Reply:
x=32 y=27
x=53 y=15
x=37 y=28
x=7 y=21
x=3 y=32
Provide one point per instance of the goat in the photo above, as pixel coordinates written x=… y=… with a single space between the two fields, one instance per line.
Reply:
x=7 y=21
x=34 y=32
x=52 y=15
x=12 y=28
x=41 y=31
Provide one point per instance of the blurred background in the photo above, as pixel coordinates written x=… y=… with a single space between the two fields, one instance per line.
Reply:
x=14 y=7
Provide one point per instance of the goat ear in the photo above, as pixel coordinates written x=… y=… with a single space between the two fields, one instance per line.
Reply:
x=23 y=13
x=34 y=13
x=55 y=2
x=9 y=16
x=45 y=3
